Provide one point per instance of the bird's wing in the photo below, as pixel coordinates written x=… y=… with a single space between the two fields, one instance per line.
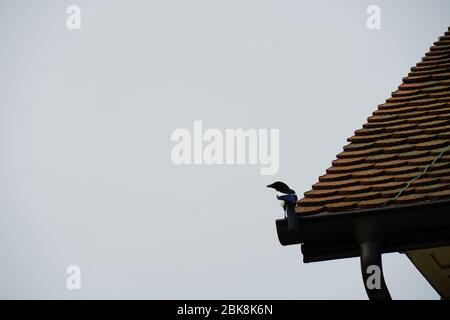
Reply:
x=289 y=198
x=291 y=216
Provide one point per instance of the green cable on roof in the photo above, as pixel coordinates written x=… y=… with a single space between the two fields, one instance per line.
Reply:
x=425 y=171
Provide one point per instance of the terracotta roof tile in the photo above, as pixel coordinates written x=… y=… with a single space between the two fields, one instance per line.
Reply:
x=367 y=173
x=308 y=210
x=382 y=157
x=362 y=196
x=424 y=119
x=407 y=99
x=414 y=154
x=354 y=189
x=377 y=180
x=391 y=164
x=440 y=46
x=429 y=71
x=397 y=111
x=437 y=129
x=399 y=149
x=418 y=114
x=441 y=111
x=424 y=125
x=429 y=104
x=368 y=138
x=427 y=61
x=402 y=170
x=431 y=144
x=369 y=132
x=335 y=177
x=410 y=198
x=397 y=105
x=347 y=162
x=389 y=186
x=350 y=168
x=441 y=76
x=444 y=117
x=444 y=135
x=414 y=79
x=389 y=142
x=439 y=166
x=388 y=161
x=358 y=146
x=435 y=59
x=421 y=161
x=341 y=206
x=390 y=194
x=420 y=138
x=334 y=184
x=321 y=193
x=406 y=176
x=437 y=54
x=420 y=68
x=407 y=133
x=373 y=203
x=383 y=118
x=445 y=194
x=314 y=202
x=432 y=188
x=401 y=127
x=402 y=93
x=435 y=152
x=360 y=153
x=420 y=85
x=425 y=182
x=386 y=123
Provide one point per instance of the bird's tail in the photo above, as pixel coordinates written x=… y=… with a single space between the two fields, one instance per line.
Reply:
x=291 y=217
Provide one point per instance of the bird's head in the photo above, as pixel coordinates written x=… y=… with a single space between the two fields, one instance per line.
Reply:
x=281 y=187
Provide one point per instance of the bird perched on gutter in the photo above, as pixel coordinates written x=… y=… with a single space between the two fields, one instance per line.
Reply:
x=288 y=199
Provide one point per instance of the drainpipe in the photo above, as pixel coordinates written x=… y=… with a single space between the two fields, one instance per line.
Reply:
x=372 y=271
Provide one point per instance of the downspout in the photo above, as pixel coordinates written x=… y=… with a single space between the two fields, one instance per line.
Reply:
x=368 y=233
x=372 y=271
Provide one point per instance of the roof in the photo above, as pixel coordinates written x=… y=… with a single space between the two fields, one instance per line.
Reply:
x=434 y=264
x=401 y=156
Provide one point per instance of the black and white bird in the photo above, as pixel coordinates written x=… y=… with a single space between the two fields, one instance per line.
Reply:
x=288 y=199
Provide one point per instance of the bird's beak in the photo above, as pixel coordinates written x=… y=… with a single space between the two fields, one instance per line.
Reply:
x=270 y=186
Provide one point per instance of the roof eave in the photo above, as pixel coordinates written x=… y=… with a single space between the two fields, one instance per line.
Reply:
x=337 y=235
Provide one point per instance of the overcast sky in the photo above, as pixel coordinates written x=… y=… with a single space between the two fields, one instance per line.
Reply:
x=86 y=117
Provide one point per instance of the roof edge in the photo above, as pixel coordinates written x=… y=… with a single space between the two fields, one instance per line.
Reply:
x=336 y=235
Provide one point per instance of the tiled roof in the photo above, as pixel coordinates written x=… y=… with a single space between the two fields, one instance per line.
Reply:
x=401 y=155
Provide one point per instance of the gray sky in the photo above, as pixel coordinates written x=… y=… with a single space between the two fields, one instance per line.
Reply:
x=86 y=118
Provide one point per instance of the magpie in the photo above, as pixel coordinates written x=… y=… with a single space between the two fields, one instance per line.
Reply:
x=288 y=199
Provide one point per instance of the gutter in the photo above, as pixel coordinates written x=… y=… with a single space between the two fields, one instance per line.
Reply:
x=369 y=233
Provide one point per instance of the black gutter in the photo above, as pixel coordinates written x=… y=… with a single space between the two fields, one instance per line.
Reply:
x=370 y=233
x=333 y=235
